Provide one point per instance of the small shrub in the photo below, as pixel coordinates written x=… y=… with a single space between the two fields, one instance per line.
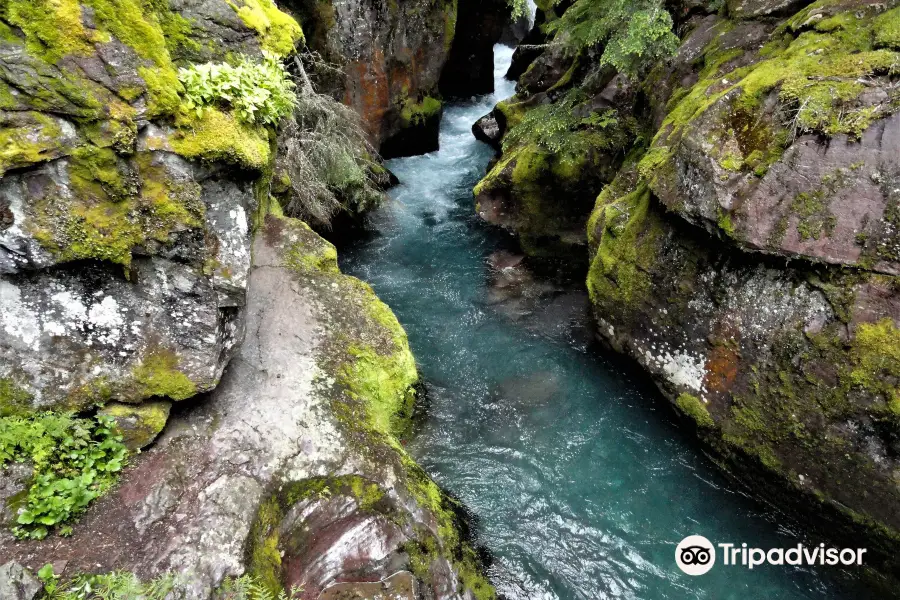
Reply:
x=75 y=461
x=261 y=93
x=325 y=160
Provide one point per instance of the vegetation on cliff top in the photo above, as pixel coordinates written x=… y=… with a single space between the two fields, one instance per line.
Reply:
x=632 y=34
x=258 y=92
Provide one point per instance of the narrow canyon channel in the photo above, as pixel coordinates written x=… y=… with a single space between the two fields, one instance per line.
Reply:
x=580 y=484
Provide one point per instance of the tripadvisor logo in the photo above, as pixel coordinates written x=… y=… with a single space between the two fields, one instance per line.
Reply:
x=696 y=555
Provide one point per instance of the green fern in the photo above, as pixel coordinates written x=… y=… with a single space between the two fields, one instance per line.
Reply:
x=557 y=128
x=633 y=33
x=119 y=585
x=247 y=588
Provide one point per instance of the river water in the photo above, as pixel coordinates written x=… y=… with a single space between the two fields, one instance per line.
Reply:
x=581 y=484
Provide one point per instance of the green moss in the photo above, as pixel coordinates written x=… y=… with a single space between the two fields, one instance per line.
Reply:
x=158 y=375
x=279 y=33
x=176 y=29
x=367 y=494
x=14 y=400
x=109 y=217
x=97 y=171
x=384 y=382
x=450 y=15
x=129 y=22
x=53 y=28
x=695 y=409
x=876 y=357
x=263 y=554
x=138 y=424
x=725 y=223
x=626 y=235
x=307 y=252
x=818 y=72
x=33 y=143
x=732 y=162
x=416 y=114
x=887 y=29
x=218 y=135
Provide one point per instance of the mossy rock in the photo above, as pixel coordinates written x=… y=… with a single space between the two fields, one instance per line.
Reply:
x=138 y=424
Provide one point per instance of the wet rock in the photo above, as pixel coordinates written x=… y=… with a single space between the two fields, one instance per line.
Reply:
x=139 y=424
x=527 y=51
x=124 y=237
x=749 y=351
x=15 y=479
x=17 y=583
x=745 y=9
x=487 y=130
x=419 y=131
x=399 y=586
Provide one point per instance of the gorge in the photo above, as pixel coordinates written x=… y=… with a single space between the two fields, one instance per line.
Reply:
x=644 y=253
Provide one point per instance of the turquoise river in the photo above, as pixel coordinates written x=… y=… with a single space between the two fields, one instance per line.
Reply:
x=580 y=482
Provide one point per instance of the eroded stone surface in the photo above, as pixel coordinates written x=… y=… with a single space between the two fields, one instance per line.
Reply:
x=195 y=502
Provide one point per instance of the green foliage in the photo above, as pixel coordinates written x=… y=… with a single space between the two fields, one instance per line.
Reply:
x=552 y=126
x=636 y=33
x=120 y=585
x=75 y=460
x=693 y=407
x=518 y=8
x=260 y=93
x=247 y=587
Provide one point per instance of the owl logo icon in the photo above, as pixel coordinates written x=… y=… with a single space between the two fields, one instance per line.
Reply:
x=695 y=555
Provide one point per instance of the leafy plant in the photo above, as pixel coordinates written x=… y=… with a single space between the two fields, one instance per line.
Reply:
x=261 y=93
x=247 y=588
x=633 y=33
x=558 y=128
x=119 y=585
x=518 y=8
x=75 y=460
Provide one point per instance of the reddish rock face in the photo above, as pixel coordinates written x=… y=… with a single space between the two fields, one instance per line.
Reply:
x=391 y=56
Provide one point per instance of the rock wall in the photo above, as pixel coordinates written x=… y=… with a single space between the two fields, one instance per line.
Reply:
x=131 y=228
x=390 y=56
x=742 y=245
x=124 y=238
x=470 y=65
x=289 y=471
